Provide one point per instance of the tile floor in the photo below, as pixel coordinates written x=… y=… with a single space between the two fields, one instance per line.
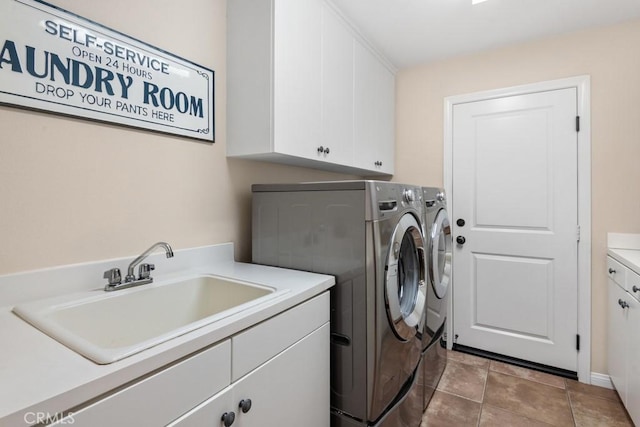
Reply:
x=479 y=392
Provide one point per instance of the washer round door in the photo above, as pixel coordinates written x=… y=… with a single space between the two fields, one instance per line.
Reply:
x=405 y=288
x=440 y=254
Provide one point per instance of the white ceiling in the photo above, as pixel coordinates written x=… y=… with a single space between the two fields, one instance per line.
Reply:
x=410 y=32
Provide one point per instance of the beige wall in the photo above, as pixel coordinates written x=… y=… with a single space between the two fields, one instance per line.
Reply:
x=610 y=56
x=73 y=190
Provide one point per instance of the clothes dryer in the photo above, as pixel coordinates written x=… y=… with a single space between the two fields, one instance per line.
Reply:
x=438 y=253
x=369 y=235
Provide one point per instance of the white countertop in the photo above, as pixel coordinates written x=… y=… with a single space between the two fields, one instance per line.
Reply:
x=40 y=375
x=625 y=248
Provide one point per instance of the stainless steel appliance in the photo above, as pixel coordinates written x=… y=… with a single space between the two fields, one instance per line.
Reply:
x=369 y=235
x=438 y=253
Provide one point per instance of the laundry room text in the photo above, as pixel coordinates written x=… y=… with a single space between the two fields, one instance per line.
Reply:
x=80 y=68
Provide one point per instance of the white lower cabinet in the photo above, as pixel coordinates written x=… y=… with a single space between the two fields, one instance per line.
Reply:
x=290 y=389
x=624 y=336
x=633 y=361
x=278 y=370
x=617 y=332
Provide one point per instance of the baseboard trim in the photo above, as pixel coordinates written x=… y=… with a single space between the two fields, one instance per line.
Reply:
x=601 y=380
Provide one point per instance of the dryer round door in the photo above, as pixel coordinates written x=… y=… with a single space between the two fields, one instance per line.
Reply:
x=405 y=288
x=440 y=254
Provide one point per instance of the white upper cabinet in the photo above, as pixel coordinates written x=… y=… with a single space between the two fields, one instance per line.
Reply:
x=296 y=77
x=305 y=89
x=337 y=88
x=374 y=112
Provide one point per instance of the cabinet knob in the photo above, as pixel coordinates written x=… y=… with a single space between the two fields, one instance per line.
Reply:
x=320 y=149
x=635 y=288
x=612 y=271
x=245 y=405
x=228 y=418
x=622 y=303
x=378 y=163
x=326 y=150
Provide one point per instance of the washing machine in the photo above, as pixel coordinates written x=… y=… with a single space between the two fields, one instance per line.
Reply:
x=438 y=253
x=369 y=235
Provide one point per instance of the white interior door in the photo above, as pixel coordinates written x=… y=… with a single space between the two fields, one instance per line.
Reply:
x=515 y=186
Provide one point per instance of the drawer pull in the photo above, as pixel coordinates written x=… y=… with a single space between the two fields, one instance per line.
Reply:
x=635 y=288
x=623 y=304
x=245 y=405
x=612 y=271
x=228 y=418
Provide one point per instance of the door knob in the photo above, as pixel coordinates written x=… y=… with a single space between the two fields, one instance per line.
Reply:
x=460 y=222
x=460 y=240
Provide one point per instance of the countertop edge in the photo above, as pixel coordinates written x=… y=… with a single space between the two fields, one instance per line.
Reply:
x=628 y=257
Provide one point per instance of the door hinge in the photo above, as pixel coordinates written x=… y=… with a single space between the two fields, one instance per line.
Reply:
x=577 y=123
x=578 y=233
x=578 y=342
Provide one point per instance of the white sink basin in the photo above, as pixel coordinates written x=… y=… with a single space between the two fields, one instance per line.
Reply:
x=109 y=326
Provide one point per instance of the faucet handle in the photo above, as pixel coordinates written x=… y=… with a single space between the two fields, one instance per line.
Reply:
x=144 y=272
x=113 y=276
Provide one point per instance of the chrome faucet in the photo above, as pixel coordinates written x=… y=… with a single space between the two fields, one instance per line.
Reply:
x=144 y=272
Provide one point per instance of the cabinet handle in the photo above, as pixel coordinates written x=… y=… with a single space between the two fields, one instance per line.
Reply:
x=635 y=288
x=623 y=304
x=228 y=418
x=245 y=405
x=612 y=271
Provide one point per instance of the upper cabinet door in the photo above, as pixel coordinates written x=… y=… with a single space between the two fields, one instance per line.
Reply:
x=337 y=88
x=297 y=84
x=374 y=98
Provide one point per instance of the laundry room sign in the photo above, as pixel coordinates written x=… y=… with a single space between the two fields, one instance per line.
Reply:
x=56 y=61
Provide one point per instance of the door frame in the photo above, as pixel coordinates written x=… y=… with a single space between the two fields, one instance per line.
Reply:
x=583 y=86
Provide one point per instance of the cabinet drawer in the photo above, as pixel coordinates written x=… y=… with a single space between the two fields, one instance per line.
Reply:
x=262 y=342
x=161 y=397
x=633 y=282
x=616 y=272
